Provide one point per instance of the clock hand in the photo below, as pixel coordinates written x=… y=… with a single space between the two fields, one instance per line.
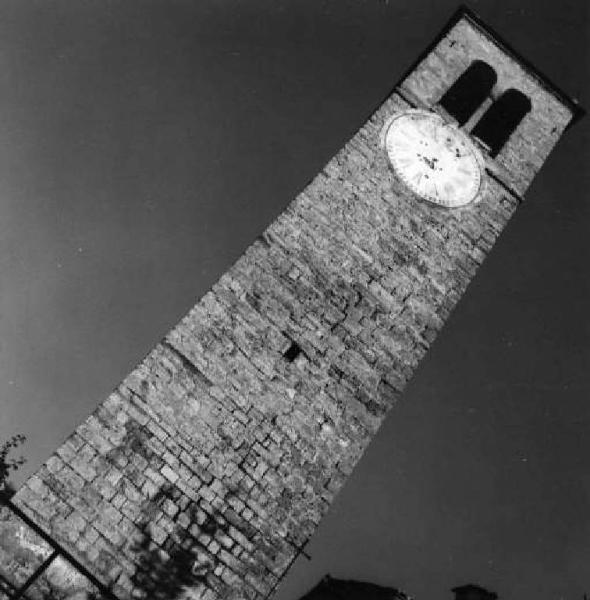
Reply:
x=436 y=192
x=434 y=131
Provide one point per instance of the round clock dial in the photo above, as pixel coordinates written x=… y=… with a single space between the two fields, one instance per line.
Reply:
x=435 y=159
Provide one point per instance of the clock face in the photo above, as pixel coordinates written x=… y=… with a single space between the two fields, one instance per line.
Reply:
x=435 y=159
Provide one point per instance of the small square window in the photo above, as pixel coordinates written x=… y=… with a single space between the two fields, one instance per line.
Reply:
x=292 y=352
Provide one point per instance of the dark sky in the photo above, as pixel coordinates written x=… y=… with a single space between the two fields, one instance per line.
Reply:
x=144 y=144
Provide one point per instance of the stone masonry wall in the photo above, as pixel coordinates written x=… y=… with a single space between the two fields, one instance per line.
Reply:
x=212 y=463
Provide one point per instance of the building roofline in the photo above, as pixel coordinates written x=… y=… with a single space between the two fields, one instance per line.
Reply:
x=464 y=12
x=471 y=586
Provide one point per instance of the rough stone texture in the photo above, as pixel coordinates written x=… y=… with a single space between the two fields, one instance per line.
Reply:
x=212 y=463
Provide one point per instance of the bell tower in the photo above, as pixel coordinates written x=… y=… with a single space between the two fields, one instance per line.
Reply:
x=209 y=467
x=472 y=77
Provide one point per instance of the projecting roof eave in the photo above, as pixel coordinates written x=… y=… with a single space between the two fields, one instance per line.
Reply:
x=476 y=588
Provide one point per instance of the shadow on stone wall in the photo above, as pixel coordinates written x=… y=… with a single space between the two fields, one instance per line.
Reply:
x=180 y=560
x=182 y=545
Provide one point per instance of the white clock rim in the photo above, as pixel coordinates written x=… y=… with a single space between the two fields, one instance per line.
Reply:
x=474 y=152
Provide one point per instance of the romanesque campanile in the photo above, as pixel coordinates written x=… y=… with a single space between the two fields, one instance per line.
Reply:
x=205 y=472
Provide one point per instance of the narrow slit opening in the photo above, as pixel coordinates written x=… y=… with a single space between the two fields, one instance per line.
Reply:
x=292 y=352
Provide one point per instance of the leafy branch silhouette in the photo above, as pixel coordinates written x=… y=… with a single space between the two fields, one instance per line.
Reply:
x=8 y=465
x=165 y=575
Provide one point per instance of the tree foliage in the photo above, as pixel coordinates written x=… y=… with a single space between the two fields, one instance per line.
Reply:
x=7 y=464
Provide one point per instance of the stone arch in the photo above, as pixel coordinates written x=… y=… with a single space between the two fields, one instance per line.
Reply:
x=469 y=91
x=501 y=119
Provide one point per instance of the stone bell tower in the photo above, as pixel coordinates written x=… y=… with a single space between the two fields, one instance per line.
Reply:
x=209 y=467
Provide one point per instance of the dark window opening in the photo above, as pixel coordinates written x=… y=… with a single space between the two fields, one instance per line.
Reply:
x=501 y=119
x=292 y=352
x=470 y=90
